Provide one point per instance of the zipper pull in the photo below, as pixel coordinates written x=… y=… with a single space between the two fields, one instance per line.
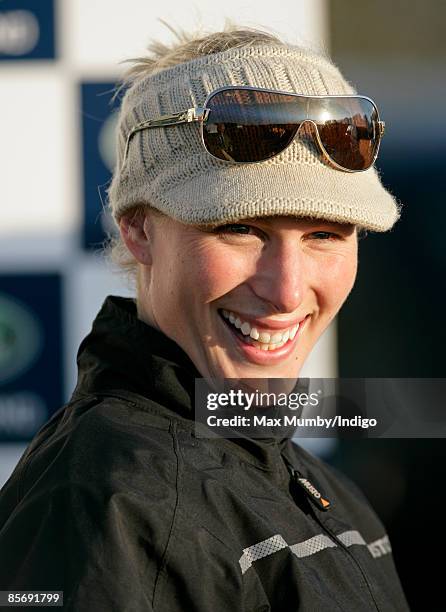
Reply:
x=310 y=490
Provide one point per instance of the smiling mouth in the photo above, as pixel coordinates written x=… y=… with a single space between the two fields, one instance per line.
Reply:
x=265 y=341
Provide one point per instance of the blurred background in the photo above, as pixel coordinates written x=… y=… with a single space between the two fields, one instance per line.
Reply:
x=59 y=63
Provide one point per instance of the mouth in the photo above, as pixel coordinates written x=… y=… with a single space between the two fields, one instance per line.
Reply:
x=259 y=345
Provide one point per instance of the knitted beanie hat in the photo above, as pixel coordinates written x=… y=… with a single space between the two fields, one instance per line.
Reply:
x=169 y=169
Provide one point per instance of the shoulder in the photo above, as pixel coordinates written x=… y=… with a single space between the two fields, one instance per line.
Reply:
x=93 y=499
x=105 y=442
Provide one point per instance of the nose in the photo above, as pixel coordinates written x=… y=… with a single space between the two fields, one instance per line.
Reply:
x=280 y=276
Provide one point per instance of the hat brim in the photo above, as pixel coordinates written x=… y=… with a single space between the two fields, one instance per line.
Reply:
x=228 y=193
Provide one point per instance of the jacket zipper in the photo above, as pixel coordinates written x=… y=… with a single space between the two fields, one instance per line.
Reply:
x=295 y=476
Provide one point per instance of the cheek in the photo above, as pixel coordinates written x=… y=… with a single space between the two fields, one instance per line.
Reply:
x=337 y=276
x=216 y=273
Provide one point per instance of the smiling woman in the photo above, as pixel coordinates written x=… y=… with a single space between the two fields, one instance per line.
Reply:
x=282 y=278
x=239 y=204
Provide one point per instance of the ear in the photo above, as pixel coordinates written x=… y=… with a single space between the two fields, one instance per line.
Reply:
x=135 y=232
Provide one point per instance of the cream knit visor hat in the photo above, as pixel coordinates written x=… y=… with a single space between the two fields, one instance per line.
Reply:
x=169 y=169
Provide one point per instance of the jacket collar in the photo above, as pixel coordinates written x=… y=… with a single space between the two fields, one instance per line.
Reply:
x=122 y=354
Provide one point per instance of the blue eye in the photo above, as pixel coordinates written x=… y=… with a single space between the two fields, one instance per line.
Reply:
x=324 y=235
x=234 y=228
x=239 y=229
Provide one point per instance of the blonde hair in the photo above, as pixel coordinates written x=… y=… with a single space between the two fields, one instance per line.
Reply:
x=186 y=47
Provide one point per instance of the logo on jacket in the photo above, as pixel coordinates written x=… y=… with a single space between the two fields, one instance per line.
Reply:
x=313 y=493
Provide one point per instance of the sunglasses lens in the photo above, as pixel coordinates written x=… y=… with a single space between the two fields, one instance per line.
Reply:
x=246 y=125
x=251 y=126
x=346 y=128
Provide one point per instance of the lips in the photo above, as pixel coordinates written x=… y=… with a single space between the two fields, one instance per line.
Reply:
x=255 y=333
x=246 y=351
x=270 y=342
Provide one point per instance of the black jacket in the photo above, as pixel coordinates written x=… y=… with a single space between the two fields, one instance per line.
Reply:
x=119 y=505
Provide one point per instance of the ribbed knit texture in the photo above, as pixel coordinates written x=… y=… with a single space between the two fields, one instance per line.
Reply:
x=169 y=168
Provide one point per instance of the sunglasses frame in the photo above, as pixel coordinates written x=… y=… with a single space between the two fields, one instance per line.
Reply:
x=200 y=114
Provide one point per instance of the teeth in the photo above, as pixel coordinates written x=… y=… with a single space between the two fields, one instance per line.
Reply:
x=254 y=334
x=262 y=340
x=264 y=337
x=276 y=338
x=293 y=332
x=245 y=329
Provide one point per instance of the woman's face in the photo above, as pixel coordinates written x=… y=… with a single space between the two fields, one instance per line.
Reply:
x=247 y=299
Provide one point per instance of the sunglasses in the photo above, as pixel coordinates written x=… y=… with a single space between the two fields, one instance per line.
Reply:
x=241 y=124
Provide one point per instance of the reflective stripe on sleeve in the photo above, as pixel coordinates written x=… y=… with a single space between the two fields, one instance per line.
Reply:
x=311 y=546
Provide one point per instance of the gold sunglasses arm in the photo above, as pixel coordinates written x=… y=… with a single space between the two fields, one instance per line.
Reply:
x=191 y=114
x=381 y=127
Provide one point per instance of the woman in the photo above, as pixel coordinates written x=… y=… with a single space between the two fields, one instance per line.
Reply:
x=239 y=205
